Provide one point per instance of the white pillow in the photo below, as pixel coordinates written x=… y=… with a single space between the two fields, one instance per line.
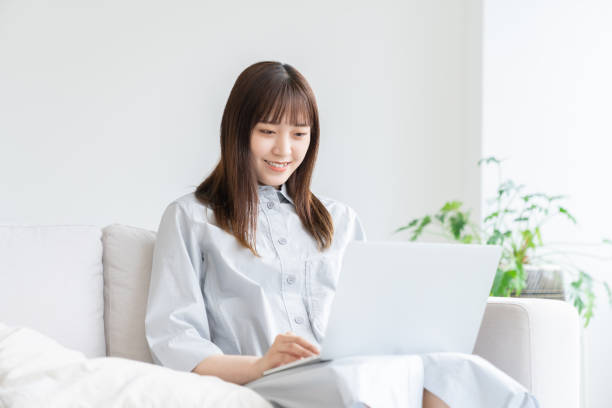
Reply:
x=51 y=281
x=128 y=254
x=36 y=371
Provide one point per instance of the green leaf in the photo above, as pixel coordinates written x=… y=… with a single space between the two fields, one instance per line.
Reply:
x=408 y=226
x=527 y=197
x=539 y=235
x=505 y=187
x=457 y=222
x=491 y=216
x=557 y=197
x=564 y=211
x=528 y=237
x=497 y=214
x=494 y=287
x=520 y=270
x=588 y=279
x=451 y=206
x=487 y=160
x=581 y=292
x=609 y=292
x=494 y=238
x=531 y=207
x=501 y=283
x=607 y=241
x=467 y=239
x=506 y=284
x=424 y=222
x=579 y=304
x=590 y=305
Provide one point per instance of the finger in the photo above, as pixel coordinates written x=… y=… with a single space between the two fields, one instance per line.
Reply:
x=296 y=350
x=308 y=346
x=282 y=358
x=288 y=358
x=302 y=342
x=283 y=338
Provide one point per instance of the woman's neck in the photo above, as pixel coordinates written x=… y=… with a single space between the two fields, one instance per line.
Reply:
x=276 y=187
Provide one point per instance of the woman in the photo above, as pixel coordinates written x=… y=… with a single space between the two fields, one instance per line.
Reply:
x=245 y=268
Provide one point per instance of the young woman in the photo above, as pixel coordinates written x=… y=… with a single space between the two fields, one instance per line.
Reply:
x=245 y=268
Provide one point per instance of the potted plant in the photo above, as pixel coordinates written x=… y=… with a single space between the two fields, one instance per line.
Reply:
x=515 y=223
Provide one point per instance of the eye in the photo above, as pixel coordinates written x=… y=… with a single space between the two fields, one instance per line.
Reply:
x=265 y=131
x=301 y=134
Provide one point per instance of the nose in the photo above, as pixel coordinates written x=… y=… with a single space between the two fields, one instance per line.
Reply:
x=282 y=147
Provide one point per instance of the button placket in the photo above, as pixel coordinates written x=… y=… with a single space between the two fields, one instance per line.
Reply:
x=294 y=300
x=282 y=235
x=290 y=291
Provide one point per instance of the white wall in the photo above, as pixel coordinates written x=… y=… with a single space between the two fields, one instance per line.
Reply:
x=110 y=110
x=546 y=104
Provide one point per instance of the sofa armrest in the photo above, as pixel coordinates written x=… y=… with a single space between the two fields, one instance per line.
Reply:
x=536 y=342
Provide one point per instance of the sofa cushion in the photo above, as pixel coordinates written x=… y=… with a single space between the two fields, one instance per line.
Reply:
x=51 y=281
x=128 y=253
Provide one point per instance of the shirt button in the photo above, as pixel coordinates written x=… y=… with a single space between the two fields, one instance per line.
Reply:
x=282 y=241
x=299 y=320
x=291 y=279
x=270 y=204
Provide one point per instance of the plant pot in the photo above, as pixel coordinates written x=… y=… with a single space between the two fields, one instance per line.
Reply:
x=544 y=281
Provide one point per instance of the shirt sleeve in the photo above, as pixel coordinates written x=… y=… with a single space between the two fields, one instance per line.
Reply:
x=359 y=233
x=176 y=325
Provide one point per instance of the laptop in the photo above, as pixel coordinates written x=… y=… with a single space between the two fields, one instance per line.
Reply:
x=407 y=298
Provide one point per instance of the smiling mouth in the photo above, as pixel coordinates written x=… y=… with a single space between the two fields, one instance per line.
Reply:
x=279 y=165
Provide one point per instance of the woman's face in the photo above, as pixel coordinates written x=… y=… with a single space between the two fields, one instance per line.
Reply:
x=277 y=150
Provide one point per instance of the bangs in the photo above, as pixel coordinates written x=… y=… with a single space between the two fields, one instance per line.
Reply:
x=287 y=102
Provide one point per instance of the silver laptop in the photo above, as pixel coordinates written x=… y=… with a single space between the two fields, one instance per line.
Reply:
x=407 y=298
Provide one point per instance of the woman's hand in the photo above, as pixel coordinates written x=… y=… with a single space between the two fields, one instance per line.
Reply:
x=286 y=348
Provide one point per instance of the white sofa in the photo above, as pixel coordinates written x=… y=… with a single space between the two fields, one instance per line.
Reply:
x=86 y=287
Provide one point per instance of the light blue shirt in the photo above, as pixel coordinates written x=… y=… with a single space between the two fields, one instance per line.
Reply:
x=209 y=295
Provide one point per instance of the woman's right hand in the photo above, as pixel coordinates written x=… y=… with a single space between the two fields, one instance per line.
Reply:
x=286 y=348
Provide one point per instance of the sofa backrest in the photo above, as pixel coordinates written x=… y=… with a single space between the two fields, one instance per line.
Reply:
x=127 y=258
x=51 y=281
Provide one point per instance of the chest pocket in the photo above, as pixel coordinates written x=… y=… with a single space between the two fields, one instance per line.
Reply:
x=322 y=273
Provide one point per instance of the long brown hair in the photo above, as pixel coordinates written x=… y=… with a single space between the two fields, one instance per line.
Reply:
x=264 y=92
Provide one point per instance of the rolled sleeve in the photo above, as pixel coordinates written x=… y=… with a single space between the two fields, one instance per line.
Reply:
x=176 y=324
x=359 y=233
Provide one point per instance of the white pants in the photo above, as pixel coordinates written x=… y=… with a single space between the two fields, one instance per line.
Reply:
x=460 y=380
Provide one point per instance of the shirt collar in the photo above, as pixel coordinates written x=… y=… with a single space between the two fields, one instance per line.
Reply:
x=282 y=192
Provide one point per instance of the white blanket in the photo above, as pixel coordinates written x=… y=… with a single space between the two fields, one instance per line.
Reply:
x=36 y=371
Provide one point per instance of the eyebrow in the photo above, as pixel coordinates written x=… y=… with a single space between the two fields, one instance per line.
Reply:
x=296 y=125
